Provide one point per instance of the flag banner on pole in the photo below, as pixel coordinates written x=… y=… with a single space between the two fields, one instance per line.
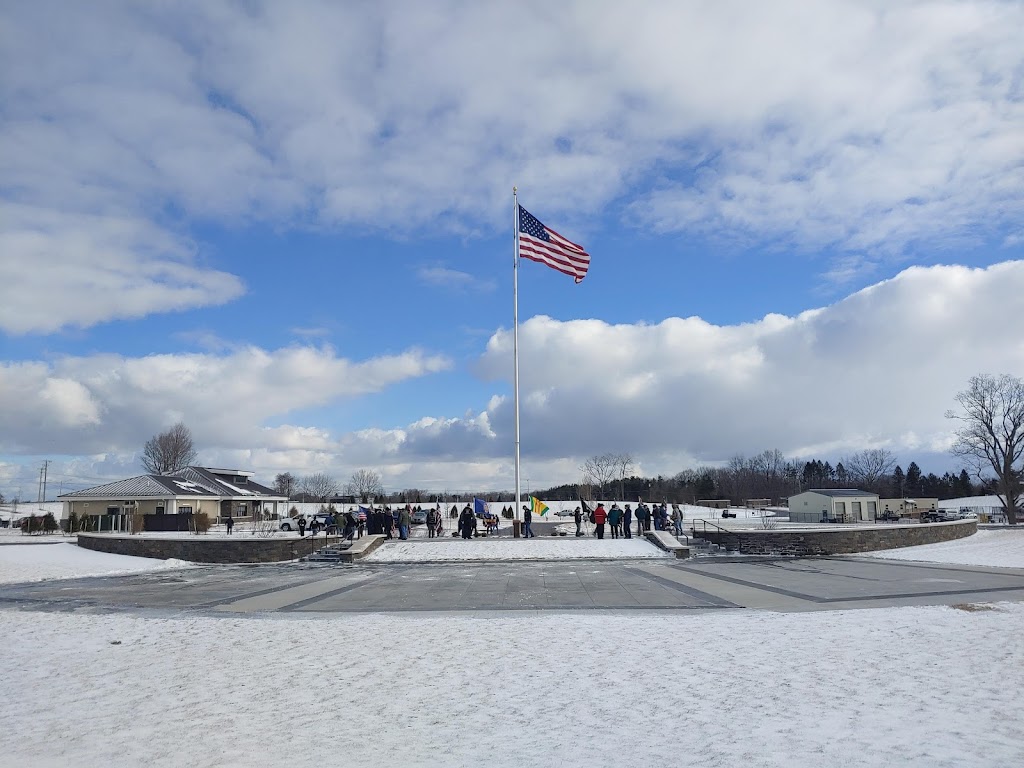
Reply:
x=588 y=513
x=481 y=508
x=537 y=506
x=538 y=243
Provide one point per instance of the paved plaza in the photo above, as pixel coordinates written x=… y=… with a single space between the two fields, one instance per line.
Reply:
x=703 y=584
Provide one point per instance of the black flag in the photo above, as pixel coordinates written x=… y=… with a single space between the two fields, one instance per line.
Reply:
x=588 y=513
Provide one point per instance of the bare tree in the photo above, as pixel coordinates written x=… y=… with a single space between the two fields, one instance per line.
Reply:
x=319 y=485
x=601 y=470
x=870 y=466
x=992 y=433
x=169 y=451
x=285 y=483
x=365 y=483
x=585 y=489
x=623 y=466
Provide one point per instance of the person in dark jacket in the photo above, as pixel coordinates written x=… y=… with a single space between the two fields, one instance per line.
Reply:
x=615 y=520
x=230 y=523
x=302 y=525
x=643 y=519
x=578 y=517
x=527 y=521
x=600 y=515
x=627 y=522
x=467 y=523
x=351 y=524
x=431 y=523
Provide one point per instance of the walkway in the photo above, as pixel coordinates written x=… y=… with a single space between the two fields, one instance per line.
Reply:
x=768 y=584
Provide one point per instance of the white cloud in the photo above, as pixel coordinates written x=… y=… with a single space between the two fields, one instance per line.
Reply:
x=462 y=282
x=62 y=269
x=879 y=368
x=101 y=403
x=866 y=126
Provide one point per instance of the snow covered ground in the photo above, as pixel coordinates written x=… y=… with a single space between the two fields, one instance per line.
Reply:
x=999 y=548
x=38 y=562
x=925 y=686
x=913 y=686
x=540 y=548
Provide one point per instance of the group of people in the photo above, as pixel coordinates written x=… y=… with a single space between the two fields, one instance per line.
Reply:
x=384 y=521
x=390 y=524
x=345 y=523
x=620 y=519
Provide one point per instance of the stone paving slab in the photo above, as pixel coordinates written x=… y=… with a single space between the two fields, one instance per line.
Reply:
x=765 y=584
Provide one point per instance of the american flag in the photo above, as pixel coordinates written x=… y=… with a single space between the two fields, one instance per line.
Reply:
x=538 y=243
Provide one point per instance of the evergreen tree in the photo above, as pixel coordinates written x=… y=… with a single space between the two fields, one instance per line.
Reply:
x=898 y=482
x=913 y=480
x=964 y=485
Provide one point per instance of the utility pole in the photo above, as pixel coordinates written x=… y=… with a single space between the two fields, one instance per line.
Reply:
x=46 y=466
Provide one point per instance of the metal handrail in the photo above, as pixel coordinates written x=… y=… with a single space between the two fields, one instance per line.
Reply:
x=704 y=526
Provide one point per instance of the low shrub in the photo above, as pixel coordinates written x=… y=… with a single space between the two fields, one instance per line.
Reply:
x=200 y=522
x=137 y=521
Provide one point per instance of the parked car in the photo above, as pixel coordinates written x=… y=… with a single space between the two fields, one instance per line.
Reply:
x=315 y=522
x=419 y=516
x=565 y=513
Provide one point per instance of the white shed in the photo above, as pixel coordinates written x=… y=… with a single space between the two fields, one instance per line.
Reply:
x=828 y=505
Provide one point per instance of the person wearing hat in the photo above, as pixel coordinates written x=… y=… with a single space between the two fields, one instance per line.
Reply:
x=615 y=520
x=600 y=515
x=627 y=522
x=467 y=523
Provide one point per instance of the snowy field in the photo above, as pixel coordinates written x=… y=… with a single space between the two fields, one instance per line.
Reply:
x=38 y=562
x=924 y=686
x=914 y=686
x=539 y=548
x=999 y=548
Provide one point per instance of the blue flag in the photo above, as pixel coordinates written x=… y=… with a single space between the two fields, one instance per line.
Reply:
x=481 y=508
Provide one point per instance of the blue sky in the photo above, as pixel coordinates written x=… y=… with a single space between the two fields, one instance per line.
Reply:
x=290 y=227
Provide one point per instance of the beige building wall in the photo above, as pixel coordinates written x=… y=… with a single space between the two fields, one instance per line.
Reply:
x=810 y=507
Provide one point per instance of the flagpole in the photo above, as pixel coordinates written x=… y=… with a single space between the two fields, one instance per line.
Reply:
x=515 y=350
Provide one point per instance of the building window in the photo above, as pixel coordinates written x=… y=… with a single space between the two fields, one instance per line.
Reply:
x=113 y=510
x=160 y=509
x=185 y=510
x=243 y=509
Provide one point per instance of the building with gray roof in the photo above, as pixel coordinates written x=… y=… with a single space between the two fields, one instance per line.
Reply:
x=171 y=499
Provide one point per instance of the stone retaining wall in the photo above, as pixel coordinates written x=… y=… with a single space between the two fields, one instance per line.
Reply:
x=204 y=549
x=840 y=540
